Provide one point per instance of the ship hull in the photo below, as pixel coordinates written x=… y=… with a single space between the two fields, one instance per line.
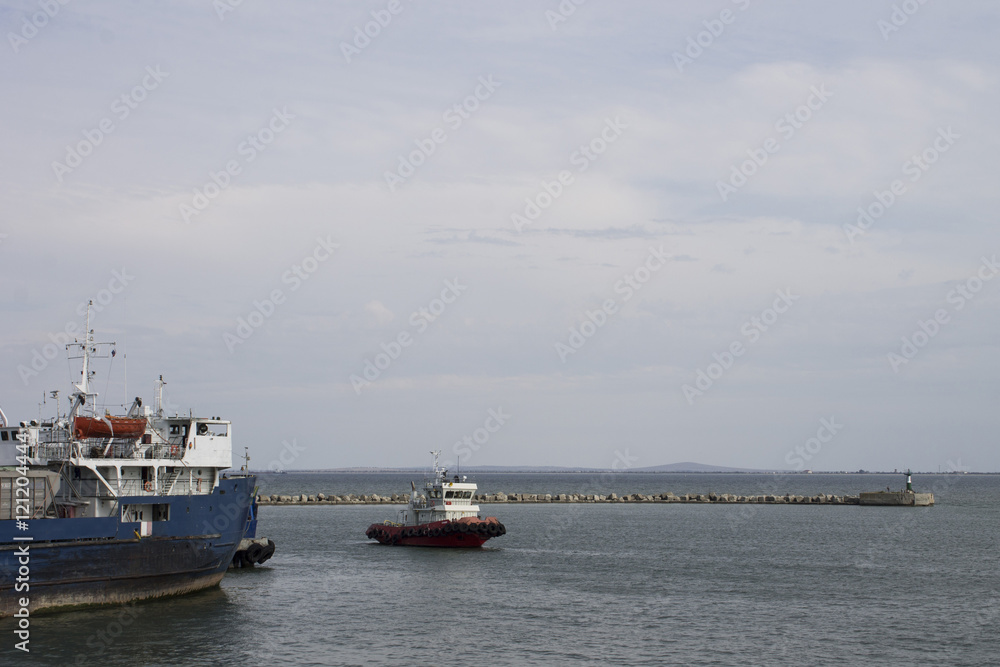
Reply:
x=460 y=534
x=87 y=561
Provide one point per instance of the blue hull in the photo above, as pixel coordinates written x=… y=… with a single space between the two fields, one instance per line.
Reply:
x=102 y=561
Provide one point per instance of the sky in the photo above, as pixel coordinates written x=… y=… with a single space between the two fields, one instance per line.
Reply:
x=743 y=233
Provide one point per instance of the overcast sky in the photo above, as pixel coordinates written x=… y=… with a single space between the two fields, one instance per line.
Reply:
x=631 y=230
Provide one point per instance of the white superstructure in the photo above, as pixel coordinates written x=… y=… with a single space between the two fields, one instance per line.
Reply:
x=442 y=498
x=160 y=456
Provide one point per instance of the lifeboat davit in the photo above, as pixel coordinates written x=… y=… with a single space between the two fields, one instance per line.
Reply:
x=120 y=428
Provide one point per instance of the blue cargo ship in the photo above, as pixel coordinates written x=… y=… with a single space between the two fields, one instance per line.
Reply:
x=99 y=509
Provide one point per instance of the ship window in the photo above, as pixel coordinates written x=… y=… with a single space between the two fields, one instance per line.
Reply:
x=217 y=430
x=161 y=512
x=4 y=436
x=449 y=494
x=175 y=429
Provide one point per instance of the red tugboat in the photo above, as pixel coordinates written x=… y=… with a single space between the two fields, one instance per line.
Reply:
x=441 y=516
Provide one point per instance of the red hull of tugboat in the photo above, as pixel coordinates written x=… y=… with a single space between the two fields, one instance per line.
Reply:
x=449 y=533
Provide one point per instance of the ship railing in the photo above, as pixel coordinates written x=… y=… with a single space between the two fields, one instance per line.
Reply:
x=53 y=451
x=164 y=451
x=54 y=435
x=102 y=448
x=175 y=484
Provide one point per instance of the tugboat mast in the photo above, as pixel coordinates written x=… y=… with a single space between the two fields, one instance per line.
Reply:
x=437 y=470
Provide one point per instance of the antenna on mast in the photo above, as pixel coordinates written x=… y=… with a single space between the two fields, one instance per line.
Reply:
x=88 y=338
x=158 y=397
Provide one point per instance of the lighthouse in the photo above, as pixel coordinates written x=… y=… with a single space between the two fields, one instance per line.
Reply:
x=909 y=481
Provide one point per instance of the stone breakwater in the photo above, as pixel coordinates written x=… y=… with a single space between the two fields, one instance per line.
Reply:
x=495 y=498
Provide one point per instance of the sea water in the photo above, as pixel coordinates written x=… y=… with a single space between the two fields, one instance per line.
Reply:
x=624 y=584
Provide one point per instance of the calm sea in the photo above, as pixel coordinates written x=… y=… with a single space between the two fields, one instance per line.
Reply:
x=620 y=584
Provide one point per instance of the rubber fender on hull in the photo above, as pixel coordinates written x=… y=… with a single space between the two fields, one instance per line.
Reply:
x=268 y=552
x=254 y=553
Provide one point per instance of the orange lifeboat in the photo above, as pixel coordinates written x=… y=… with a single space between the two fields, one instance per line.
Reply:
x=121 y=428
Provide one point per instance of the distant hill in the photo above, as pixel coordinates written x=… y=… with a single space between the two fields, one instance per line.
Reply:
x=689 y=466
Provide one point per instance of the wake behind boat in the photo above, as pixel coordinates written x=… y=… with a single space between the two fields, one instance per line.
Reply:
x=441 y=516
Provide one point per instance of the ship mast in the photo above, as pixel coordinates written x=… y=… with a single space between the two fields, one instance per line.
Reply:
x=83 y=388
x=158 y=398
x=437 y=470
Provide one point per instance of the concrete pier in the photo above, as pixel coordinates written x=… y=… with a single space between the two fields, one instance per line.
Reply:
x=897 y=498
x=531 y=498
x=905 y=497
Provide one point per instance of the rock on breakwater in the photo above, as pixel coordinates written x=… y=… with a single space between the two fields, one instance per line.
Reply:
x=497 y=498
